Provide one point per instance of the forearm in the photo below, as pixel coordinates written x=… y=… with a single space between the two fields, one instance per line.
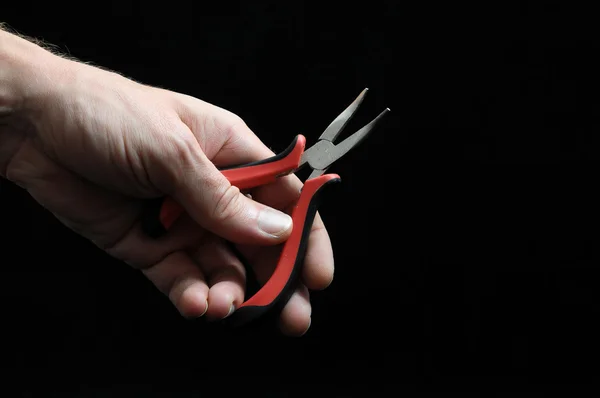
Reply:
x=24 y=81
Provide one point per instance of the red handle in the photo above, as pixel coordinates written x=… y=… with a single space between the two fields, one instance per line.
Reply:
x=244 y=176
x=281 y=285
x=263 y=172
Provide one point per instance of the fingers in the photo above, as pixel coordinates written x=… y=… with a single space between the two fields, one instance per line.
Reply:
x=192 y=180
x=179 y=278
x=225 y=275
x=318 y=269
x=140 y=251
x=295 y=317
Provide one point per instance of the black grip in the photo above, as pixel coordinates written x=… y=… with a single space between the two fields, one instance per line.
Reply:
x=272 y=159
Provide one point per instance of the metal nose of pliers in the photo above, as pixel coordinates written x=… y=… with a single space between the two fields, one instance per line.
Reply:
x=325 y=152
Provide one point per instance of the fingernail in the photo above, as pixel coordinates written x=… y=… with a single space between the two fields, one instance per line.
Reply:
x=273 y=222
x=205 y=309
x=231 y=309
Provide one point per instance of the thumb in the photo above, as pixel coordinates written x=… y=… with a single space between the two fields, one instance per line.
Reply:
x=210 y=199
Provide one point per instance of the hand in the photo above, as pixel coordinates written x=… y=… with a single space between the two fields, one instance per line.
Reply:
x=97 y=145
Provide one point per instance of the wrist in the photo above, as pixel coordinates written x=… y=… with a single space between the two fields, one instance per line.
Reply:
x=25 y=79
x=19 y=63
x=31 y=78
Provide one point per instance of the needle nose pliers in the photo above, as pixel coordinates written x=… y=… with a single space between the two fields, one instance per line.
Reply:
x=275 y=293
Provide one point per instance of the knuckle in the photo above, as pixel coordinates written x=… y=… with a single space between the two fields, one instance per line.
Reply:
x=230 y=125
x=173 y=160
x=228 y=204
x=236 y=126
x=181 y=147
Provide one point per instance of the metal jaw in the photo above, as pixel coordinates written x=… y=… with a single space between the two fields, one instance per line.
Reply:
x=324 y=152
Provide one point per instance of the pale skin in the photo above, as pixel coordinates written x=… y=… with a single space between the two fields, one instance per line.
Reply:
x=91 y=145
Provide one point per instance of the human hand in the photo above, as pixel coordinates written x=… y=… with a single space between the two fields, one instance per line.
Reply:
x=93 y=146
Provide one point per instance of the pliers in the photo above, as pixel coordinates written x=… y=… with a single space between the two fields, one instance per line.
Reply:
x=275 y=293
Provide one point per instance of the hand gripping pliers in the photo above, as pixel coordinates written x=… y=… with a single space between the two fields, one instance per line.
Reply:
x=160 y=215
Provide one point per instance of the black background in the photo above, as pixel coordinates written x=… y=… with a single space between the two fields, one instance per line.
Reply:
x=465 y=230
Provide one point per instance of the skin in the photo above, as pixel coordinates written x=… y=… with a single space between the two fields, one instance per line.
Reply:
x=91 y=145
